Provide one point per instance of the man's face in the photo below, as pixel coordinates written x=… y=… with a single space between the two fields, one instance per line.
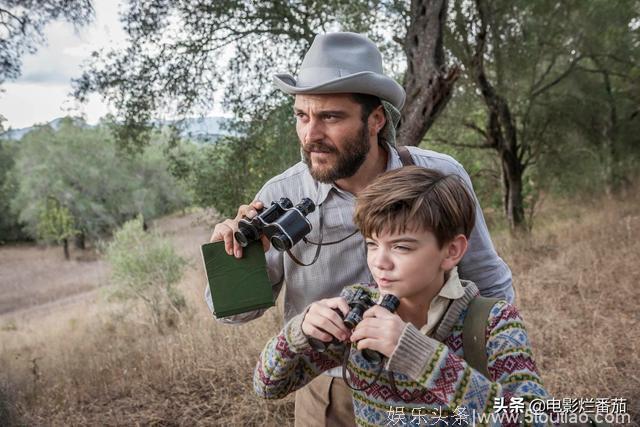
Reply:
x=334 y=140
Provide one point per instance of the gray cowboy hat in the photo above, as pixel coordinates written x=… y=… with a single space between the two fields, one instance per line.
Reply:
x=342 y=63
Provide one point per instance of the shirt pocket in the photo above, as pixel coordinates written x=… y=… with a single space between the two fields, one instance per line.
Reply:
x=334 y=217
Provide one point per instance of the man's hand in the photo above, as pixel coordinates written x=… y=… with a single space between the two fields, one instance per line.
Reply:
x=225 y=229
x=379 y=330
x=323 y=323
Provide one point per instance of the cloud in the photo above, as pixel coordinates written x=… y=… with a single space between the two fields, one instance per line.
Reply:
x=24 y=104
x=67 y=47
x=41 y=93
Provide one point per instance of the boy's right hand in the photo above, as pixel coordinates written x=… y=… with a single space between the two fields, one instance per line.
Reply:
x=322 y=322
x=225 y=229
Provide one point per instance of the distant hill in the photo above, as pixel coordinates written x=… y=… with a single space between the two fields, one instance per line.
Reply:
x=17 y=134
x=205 y=129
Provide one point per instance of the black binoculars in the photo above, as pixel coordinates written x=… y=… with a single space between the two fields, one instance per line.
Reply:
x=358 y=304
x=284 y=224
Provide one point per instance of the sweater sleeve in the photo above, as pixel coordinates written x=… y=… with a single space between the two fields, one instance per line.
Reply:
x=514 y=378
x=288 y=362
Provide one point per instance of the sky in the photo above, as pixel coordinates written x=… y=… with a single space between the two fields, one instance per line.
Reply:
x=41 y=93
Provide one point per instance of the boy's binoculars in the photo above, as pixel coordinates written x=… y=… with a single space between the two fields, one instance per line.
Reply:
x=284 y=224
x=359 y=303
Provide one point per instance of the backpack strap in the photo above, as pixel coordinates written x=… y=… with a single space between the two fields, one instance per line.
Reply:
x=474 y=342
x=474 y=329
x=405 y=156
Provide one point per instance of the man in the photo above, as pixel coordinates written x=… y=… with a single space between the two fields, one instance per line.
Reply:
x=346 y=110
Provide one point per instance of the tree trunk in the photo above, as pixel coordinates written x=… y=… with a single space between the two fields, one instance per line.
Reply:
x=427 y=82
x=79 y=241
x=501 y=130
x=65 y=245
x=610 y=128
x=513 y=201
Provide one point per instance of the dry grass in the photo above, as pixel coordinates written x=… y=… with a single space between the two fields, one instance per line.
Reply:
x=577 y=287
x=95 y=362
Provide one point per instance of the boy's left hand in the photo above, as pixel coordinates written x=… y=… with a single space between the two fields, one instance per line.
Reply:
x=379 y=330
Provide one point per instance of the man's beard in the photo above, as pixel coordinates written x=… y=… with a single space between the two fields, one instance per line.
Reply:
x=346 y=163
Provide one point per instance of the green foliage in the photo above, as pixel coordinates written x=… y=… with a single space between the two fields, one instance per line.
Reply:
x=55 y=222
x=10 y=228
x=102 y=188
x=145 y=266
x=231 y=171
x=568 y=73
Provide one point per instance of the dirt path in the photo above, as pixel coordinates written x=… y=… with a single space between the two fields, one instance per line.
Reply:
x=37 y=279
x=32 y=275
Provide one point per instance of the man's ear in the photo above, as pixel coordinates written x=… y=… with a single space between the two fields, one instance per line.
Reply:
x=377 y=119
x=454 y=251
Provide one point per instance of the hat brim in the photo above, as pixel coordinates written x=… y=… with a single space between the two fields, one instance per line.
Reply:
x=365 y=82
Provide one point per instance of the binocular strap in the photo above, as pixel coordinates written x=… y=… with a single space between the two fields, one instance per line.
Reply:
x=413 y=396
x=345 y=363
x=318 y=244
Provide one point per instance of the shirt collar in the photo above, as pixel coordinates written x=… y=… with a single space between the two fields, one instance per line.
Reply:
x=452 y=288
x=393 y=160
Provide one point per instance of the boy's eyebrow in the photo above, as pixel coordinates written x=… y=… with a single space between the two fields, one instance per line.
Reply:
x=398 y=239
x=403 y=239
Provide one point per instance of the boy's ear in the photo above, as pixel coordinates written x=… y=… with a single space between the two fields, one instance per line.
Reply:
x=454 y=251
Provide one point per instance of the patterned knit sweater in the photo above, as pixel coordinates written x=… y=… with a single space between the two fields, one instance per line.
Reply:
x=430 y=375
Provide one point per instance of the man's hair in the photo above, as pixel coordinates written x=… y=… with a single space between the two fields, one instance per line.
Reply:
x=416 y=198
x=368 y=103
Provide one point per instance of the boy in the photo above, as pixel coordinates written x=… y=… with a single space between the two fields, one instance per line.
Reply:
x=416 y=223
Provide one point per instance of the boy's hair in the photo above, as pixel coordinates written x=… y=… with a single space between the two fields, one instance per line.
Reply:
x=416 y=198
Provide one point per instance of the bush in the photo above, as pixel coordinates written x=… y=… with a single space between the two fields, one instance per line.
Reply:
x=145 y=266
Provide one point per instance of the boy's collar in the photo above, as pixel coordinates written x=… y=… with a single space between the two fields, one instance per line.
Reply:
x=454 y=311
x=452 y=288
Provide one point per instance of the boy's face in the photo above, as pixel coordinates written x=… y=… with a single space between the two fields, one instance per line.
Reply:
x=409 y=265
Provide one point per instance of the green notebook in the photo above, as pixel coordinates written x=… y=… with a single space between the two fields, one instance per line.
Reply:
x=237 y=285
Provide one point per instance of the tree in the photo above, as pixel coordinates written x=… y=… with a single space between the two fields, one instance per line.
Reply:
x=56 y=224
x=23 y=22
x=82 y=169
x=516 y=56
x=602 y=98
x=9 y=224
x=427 y=81
x=231 y=171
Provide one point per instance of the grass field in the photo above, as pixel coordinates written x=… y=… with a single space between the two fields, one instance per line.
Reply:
x=70 y=357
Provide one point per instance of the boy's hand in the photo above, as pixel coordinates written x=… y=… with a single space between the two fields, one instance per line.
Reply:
x=323 y=323
x=379 y=330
